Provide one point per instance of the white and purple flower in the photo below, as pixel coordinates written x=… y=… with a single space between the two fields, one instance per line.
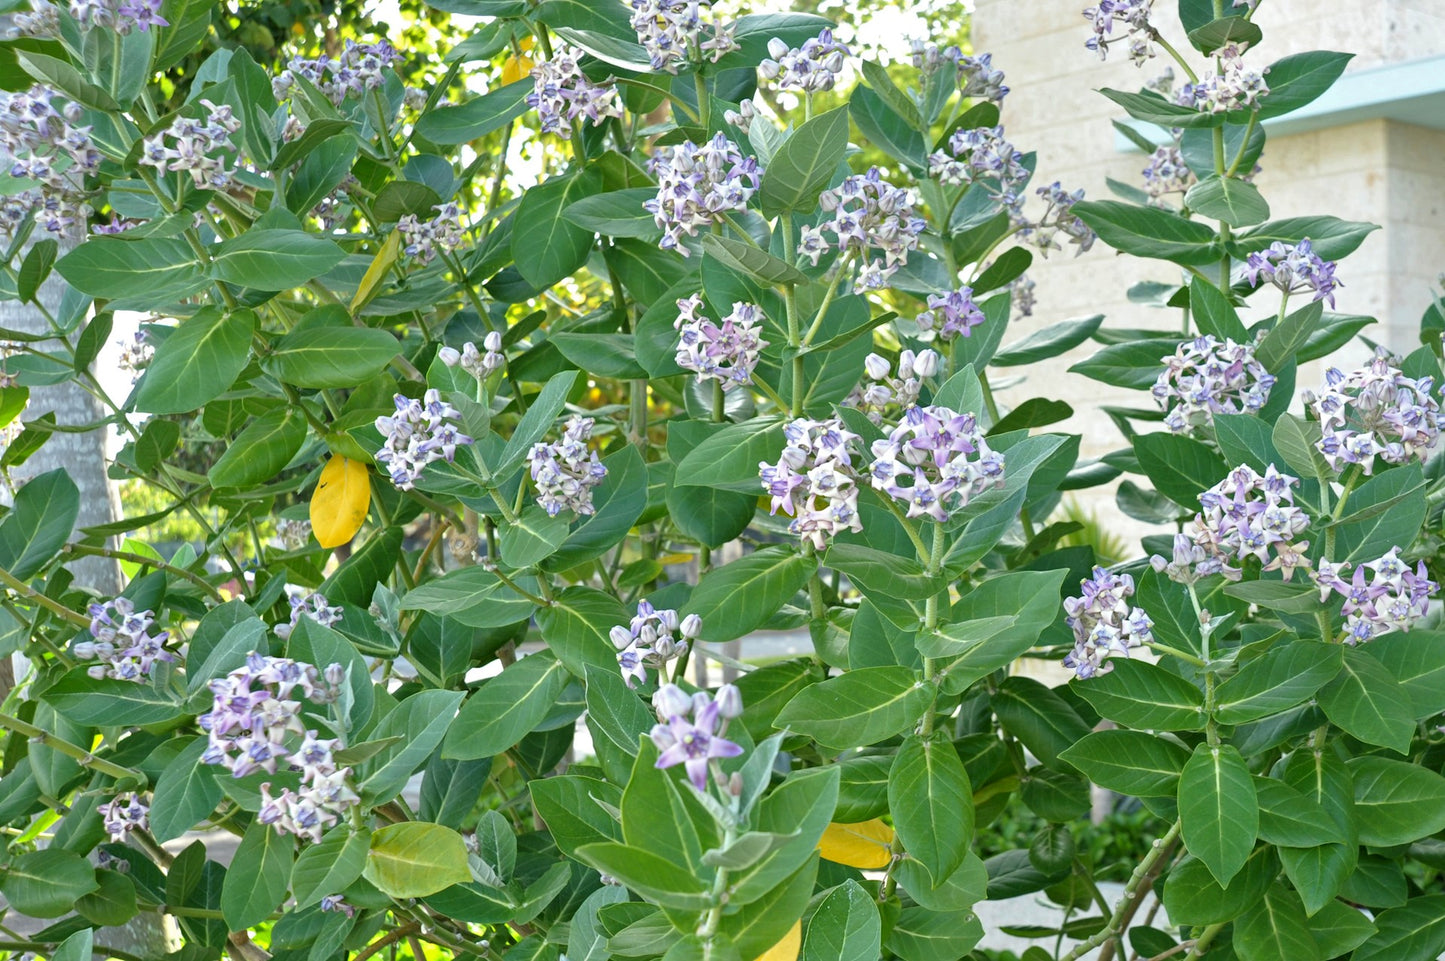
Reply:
x=566 y=471
x=1103 y=624
x=814 y=480
x=1390 y=598
x=727 y=352
x=1375 y=411
x=935 y=461
x=1205 y=377
x=419 y=433
x=695 y=741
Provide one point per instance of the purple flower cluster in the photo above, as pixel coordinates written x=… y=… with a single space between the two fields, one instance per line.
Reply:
x=122 y=17
x=692 y=728
x=743 y=117
x=698 y=185
x=1205 y=377
x=936 y=460
x=882 y=390
x=312 y=605
x=1189 y=563
x=1133 y=17
x=123 y=814
x=1392 y=599
x=1233 y=87
x=982 y=155
x=652 y=639
x=1167 y=173
x=1104 y=623
x=1246 y=515
x=949 y=316
x=420 y=432
x=1375 y=410
x=1059 y=220
x=673 y=33
x=122 y=641
x=812 y=68
x=566 y=471
x=293 y=533
x=479 y=365
x=361 y=67
x=255 y=724
x=424 y=237
x=193 y=147
x=868 y=213
x=562 y=93
x=136 y=354
x=976 y=75
x=42 y=20
x=46 y=146
x=814 y=480
x=726 y=352
x=1293 y=268
x=1022 y=298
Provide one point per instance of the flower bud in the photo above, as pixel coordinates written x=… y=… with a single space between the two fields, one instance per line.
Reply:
x=926 y=363
x=700 y=700
x=777 y=47
x=621 y=637
x=729 y=701
x=493 y=341
x=668 y=619
x=671 y=701
x=665 y=648
x=691 y=627
x=449 y=356
x=85 y=650
x=877 y=367
x=335 y=674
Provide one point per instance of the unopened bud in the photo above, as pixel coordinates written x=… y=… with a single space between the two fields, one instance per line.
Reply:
x=926 y=363
x=729 y=701
x=335 y=674
x=876 y=366
x=621 y=637
x=671 y=701
x=777 y=47
x=668 y=619
x=691 y=627
x=449 y=356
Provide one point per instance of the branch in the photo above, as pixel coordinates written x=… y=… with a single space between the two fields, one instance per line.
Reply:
x=80 y=754
x=50 y=604
x=1129 y=901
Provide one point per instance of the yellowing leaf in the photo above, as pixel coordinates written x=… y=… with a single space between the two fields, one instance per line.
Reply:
x=515 y=69
x=788 y=948
x=376 y=273
x=862 y=845
x=340 y=501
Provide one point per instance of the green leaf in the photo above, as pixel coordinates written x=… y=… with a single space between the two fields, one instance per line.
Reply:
x=1289 y=818
x=532 y=537
x=1415 y=932
x=1396 y=802
x=654 y=816
x=572 y=807
x=35 y=268
x=729 y=458
x=1042 y=720
x=1152 y=108
x=542 y=410
x=575 y=627
x=1384 y=512
x=858 y=708
x=617 y=213
x=78 y=947
x=451 y=125
x=323 y=357
x=1180 y=467
x=271 y=259
x=617 y=504
x=932 y=803
x=1193 y=897
x=1288 y=598
x=1417 y=661
x=1274 y=928
x=844 y=927
x=329 y=867
x=1213 y=312
x=1149 y=231
x=1224 y=31
x=106 y=702
x=751 y=260
x=1283 y=677
x=1299 y=79
x=46 y=884
x=420 y=722
x=1286 y=338
x=1231 y=201
x=1218 y=809
x=1366 y=701
x=923 y=935
x=1140 y=695
x=198 y=362
x=1048 y=342
x=804 y=164
x=736 y=598
x=506 y=708
x=186 y=793
x=1135 y=364
x=414 y=859
x=256 y=881
x=649 y=875
x=546 y=246
x=43 y=515
x=1331 y=237
x=886 y=130
x=137 y=274
x=1338 y=929
x=262 y=450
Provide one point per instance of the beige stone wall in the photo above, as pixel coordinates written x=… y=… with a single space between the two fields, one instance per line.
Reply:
x=1381 y=171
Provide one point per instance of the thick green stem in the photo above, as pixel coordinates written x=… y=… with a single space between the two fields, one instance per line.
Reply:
x=50 y=604
x=75 y=751
x=1125 y=909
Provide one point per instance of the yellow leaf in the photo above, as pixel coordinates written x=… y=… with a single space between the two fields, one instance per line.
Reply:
x=515 y=69
x=376 y=273
x=862 y=845
x=340 y=501
x=788 y=948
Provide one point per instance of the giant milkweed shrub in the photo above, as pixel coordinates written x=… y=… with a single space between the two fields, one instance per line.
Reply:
x=724 y=361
